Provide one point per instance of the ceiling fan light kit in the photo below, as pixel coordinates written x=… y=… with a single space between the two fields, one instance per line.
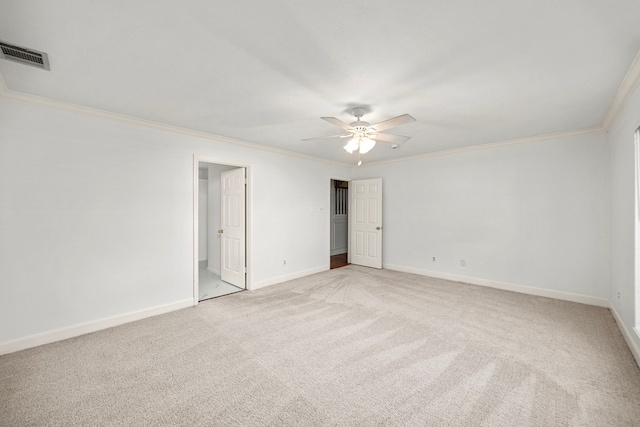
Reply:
x=363 y=136
x=361 y=144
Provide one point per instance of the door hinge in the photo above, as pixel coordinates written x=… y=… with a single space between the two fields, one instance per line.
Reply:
x=244 y=270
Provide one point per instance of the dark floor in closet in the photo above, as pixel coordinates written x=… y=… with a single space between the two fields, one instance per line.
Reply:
x=339 y=260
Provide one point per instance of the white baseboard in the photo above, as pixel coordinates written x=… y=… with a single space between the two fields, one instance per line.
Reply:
x=287 y=277
x=626 y=334
x=530 y=290
x=85 y=328
x=211 y=270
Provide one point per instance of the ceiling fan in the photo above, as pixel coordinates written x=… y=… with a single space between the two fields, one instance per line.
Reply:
x=363 y=136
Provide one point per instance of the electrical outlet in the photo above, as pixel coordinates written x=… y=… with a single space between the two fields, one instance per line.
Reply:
x=434 y=259
x=284 y=262
x=618 y=294
x=463 y=262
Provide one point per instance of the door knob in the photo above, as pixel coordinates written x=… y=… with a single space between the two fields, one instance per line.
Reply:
x=378 y=228
x=220 y=231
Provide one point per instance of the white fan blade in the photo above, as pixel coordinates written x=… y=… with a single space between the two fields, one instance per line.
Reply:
x=326 y=137
x=337 y=122
x=397 y=139
x=391 y=123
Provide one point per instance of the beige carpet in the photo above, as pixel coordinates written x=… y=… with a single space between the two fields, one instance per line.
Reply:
x=351 y=346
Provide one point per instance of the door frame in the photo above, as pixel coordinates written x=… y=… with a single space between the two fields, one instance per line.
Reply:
x=248 y=218
x=338 y=178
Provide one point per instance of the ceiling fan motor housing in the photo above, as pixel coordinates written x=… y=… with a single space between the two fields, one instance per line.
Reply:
x=362 y=130
x=359 y=112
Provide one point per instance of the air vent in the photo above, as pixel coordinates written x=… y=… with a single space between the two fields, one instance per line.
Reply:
x=24 y=55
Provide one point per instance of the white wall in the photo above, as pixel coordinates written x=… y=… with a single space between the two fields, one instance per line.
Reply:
x=530 y=214
x=203 y=232
x=623 y=223
x=96 y=216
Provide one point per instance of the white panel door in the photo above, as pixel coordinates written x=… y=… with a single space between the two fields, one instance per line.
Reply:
x=232 y=232
x=365 y=222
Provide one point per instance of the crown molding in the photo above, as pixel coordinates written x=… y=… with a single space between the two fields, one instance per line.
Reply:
x=491 y=145
x=88 y=111
x=627 y=87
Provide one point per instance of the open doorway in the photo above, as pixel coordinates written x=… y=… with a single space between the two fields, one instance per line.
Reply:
x=220 y=237
x=339 y=228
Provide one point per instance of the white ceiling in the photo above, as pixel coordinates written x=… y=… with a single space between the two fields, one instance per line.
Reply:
x=471 y=72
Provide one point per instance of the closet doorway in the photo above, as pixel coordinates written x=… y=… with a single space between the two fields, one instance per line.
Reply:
x=339 y=227
x=220 y=228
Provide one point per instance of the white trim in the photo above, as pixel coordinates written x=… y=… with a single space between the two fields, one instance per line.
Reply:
x=88 y=327
x=499 y=144
x=636 y=154
x=523 y=289
x=340 y=178
x=80 y=109
x=290 y=276
x=627 y=87
x=196 y=230
x=248 y=227
x=626 y=334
